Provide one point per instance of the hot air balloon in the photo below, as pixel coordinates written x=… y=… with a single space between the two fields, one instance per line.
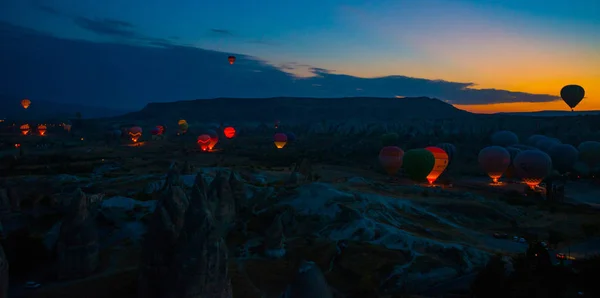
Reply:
x=25 y=129
x=229 y=132
x=546 y=143
x=42 y=129
x=67 y=127
x=532 y=166
x=494 y=160
x=418 y=163
x=390 y=139
x=589 y=153
x=161 y=129
x=231 y=59
x=441 y=162
x=280 y=139
x=155 y=131
x=513 y=151
x=504 y=138
x=277 y=123
x=533 y=139
x=25 y=103
x=214 y=138
x=135 y=133
x=572 y=95
x=291 y=136
x=183 y=126
x=450 y=149
x=391 y=159
x=204 y=142
x=564 y=156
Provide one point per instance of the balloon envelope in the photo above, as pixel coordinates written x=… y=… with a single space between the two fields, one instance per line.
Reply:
x=504 y=138
x=391 y=159
x=418 y=163
x=25 y=103
x=25 y=129
x=532 y=166
x=42 y=129
x=214 y=138
x=135 y=133
x=441 y=162
x=494 y=160
x=155 y=131
x=204 y=142
x=589 y=153
x=450 y=149
x=229 y=132
x=231 y=59
x=533 y=139
x=564 y=156
x=280 y=139
x=546 y=143
x=572 y=95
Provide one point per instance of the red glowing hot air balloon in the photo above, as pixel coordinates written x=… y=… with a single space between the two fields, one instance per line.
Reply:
x=204 y=142
x=280 y=139
x=25 y=129
x=229 y=132
x=25 y=103
x=214 y=138
x=42 y=129
x=390 y=158
x=231 y=59
x=494 y=160
x=441 y=162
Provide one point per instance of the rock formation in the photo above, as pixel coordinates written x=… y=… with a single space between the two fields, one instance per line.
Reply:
x=274 y=239
x=77 y=244
x=163 y=232
x=4 y=204
x=305 y=168
x=200 y=267
x=3 y=274
x=221 y=197
x=239 y=190
x=310 y=282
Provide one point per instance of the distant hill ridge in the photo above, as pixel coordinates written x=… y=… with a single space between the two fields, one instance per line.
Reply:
x=552 y=113
x=298 y=110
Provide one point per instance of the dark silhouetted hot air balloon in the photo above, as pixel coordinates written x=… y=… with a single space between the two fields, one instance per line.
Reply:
x=25 y=103
x=291 y=136
x=589 y=153
x=204 y=142
x=546 y=143
x=418 y=163
x=494 y=160
x=183 y=126
x=533 y=139
x=231 y=59
x=42 y=129
x=532 y=166
x=450 y=149
x=564 y=156
x=441 y=162
x=229 y=132
x=390 y=158
x=504 y=138
x=572 y=95
x=214 y=138
x=390 y=139
x=135 y=133
x=280 y=139
x=25 y=129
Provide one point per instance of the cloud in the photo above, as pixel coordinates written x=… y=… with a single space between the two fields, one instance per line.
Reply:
x=221 y=32
x=107 y=27
x=39 y=5
x=154 y=69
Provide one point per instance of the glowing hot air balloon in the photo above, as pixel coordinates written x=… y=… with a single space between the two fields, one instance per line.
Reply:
x=25 y=129
x=418 y=163
x=572 y=95
x=67 y=127
x=231 y=59
x=204 y=142
x=42 y=129
x=450 y=149
x=135 y=133
x=161 y=129
x=494 y=160
x=214 y=138
x=280 y=139
x=391 y=159
x=532 y=166
x=229 y=132
x=25 y=103
x=441 y=162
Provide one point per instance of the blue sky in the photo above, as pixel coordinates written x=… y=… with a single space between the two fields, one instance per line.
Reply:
x=528 y=45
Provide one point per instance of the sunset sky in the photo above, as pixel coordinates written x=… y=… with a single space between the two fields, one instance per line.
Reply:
x=533 y=46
